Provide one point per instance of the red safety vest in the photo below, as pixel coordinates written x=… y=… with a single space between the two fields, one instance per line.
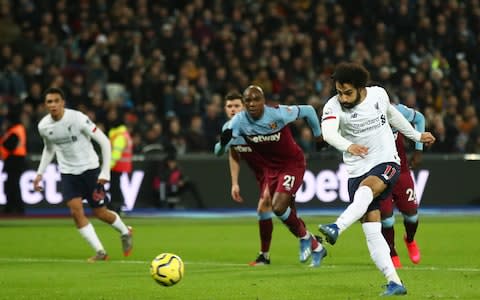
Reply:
x=21 y=149
x=124 y=164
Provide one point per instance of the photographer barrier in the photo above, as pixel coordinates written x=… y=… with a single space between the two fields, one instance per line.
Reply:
x=442 y=181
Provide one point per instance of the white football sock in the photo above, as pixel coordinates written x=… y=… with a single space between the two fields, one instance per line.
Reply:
x=379 y=250
x=88 y=233
x=119 y=225
x=361 y=200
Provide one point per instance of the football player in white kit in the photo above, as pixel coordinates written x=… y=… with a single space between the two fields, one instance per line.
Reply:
x=67 y=134
x=357 y=122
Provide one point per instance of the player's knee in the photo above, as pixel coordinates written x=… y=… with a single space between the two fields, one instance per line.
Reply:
x=388 y=222
x=264 y=206
x=410 y=218
x=279 y=206
x=266 y=215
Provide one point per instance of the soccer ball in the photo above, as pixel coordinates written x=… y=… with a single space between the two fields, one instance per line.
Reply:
x=167 y=269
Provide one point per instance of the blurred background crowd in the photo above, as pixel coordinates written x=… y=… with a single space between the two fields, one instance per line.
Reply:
x=164 y=66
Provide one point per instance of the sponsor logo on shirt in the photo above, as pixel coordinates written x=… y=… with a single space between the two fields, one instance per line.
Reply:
x=64 y=140
x=264 y=138
x=242 y=149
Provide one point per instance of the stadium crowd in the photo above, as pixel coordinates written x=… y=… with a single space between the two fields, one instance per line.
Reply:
x=165 y=66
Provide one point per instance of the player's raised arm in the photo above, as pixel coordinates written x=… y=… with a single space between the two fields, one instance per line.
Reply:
x=415 y=117
x=308 y=112
x=225 y=138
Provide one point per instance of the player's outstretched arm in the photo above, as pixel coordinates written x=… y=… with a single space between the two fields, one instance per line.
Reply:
x=308 y=112
x=397 y=120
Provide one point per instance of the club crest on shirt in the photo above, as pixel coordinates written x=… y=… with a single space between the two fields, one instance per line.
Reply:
x=273 y=125
x=377 y=107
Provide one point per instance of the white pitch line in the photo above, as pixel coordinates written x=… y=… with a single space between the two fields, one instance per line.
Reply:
x=221 y=264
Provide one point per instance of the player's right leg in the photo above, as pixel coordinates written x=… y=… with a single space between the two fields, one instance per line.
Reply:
x=112 y=218
x=360 y=197
x=108 y=216
x=377 y=182
x=265 y=227
x=73 y=188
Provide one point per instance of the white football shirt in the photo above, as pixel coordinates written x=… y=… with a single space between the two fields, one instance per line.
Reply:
x=365 y=124
x=70 y=139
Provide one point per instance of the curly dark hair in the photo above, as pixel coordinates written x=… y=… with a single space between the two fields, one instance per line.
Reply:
x=351 y=73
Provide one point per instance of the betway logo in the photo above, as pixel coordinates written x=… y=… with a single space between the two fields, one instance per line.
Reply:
x=265 y=138
x=330 y=185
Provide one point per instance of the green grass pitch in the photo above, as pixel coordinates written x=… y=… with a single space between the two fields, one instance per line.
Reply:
x=46 y=259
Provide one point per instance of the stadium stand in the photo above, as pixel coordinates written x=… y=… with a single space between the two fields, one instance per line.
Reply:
x=163 y=62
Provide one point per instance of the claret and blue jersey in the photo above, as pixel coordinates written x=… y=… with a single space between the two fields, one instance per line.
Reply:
x=418 y=121
x=270 y=136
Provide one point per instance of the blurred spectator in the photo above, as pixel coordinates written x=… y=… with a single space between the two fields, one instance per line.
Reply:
x=176 y=136
x=195 y=136
x=170 y=184
x=121 y=160
x=13 y=150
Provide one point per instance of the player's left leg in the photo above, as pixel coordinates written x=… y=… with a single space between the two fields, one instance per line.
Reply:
x=380 y=252
x=283 y=204
x=407 y=204
x=289 y=217
x=112 y=218
x=388 y=231
x=101 y=212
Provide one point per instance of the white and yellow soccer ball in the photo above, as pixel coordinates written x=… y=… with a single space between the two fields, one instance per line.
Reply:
x=167 y=269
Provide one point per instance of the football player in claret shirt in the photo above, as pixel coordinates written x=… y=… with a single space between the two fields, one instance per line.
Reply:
x=240 y=150
x=403 y=194
x=357 y=121
x=265 y=129
x=67 y=134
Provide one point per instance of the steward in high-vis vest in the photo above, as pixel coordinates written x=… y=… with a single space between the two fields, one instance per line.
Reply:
x=13 y=151
x=121 y=162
